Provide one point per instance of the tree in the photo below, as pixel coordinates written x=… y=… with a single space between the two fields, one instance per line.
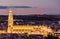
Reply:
x=26 y=36
x=51 y=37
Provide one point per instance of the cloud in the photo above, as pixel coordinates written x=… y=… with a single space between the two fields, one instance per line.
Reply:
x=5 y=7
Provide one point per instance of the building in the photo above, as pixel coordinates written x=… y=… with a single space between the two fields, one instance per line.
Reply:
x=21 y=29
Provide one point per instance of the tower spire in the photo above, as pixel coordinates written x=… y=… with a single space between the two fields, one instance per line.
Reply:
x=10 y=10
x=10 y=21
x=10 y=18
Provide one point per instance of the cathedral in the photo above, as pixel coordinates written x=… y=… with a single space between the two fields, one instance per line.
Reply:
x=21 y=29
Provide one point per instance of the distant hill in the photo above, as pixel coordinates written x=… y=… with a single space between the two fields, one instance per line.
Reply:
x=33 y=17
x=5 y=7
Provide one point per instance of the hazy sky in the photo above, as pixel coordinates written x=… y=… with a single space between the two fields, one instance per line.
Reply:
x=41 y=6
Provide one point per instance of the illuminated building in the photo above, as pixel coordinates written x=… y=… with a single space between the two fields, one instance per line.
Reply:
x=21 y=29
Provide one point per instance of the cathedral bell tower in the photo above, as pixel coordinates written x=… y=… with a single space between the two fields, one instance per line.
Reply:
x=10 y=21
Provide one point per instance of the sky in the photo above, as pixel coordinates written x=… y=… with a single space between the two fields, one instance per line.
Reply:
x=38 y=6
